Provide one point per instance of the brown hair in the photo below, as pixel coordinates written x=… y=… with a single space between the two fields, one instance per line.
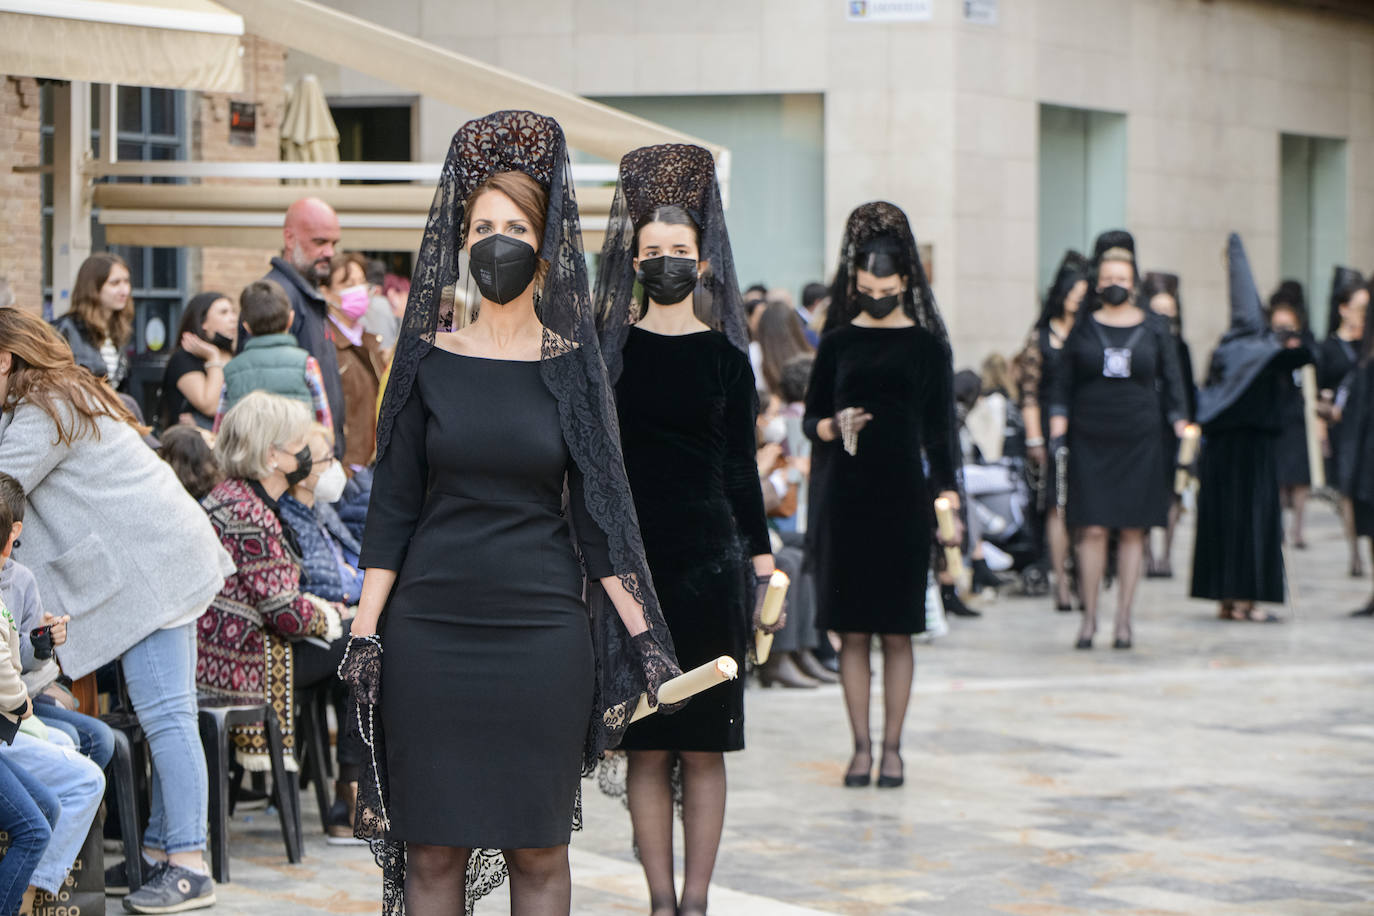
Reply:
x=529 y=197
x=90 y=278
x=781 y=337
x=341 y=261
x=45 y=373
x=191 y=459
x=264 y=308
x=997 y=375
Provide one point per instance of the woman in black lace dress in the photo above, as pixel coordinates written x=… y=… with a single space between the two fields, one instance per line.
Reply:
x=880 y=400
x=686 y=401
x=492 y=700
x=1336 y=359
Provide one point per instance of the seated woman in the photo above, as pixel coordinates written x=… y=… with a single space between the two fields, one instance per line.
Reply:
x=329 y=559
x=247 y=635
x=205 y=342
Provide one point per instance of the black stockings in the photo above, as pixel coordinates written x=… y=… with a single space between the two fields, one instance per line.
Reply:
x=899 y=667
x=703 y=819
x=1092 y=561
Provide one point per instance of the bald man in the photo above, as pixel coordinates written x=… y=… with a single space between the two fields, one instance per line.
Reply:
x=309 y=236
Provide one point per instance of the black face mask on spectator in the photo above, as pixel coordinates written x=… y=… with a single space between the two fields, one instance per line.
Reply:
x=305 y=463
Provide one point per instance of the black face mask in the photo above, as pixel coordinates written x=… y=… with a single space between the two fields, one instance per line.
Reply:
x=1116 y=294
x=877 y=309
x=220 y=342
x=503 y=267
x=666 y=279
x=305 y=463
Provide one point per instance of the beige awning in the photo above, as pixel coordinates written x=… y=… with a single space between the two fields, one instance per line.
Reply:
x=173 y=44
x=308 y=132
x=388 y=217
x=447 y=76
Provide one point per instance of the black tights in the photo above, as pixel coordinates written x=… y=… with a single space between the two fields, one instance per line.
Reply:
x=899 y=666
x=703 y=818
x=540 y=883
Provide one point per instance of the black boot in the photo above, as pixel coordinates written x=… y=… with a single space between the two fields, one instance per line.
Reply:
x=984 y=577
x=953 y=605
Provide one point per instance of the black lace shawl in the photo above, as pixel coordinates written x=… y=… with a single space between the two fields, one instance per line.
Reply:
x=1072 y=268
x=572 y=368
x=676 y=174
x=876 y=220
x=1343 y=280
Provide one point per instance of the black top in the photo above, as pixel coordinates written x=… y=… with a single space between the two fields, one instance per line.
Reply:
x=1335 y=359
x=1260 y=408
x=686 y=406
x=1081 y=390
x=182 y=362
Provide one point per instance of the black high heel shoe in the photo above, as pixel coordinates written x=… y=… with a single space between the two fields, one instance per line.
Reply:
x=1121 y=642
x=891 y=782
x=853 y=780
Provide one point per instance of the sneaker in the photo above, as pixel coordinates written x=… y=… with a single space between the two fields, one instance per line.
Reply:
x=173 y=890
x=117 y=877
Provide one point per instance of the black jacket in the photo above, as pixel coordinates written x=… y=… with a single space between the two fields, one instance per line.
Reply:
x=315 y=333
x=87 y=353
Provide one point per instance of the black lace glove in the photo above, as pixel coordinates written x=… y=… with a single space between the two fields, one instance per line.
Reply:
x=361 y=669
x=760 y=592
x=658 y=666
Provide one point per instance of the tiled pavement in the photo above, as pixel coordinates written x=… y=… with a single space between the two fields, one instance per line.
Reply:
x=1219 y=768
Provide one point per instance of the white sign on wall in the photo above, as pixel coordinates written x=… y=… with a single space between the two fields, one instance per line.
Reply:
x=889 y=10
x=980 y=12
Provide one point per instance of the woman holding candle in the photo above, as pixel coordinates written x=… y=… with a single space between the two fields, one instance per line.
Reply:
x=1119 y=362
x=1288 y=320
x=1035 y=367
x=500 y=684
x=880 y=398
x=678 y=358
x=1160 y=292
x=1336 y=359
x=1238 y=559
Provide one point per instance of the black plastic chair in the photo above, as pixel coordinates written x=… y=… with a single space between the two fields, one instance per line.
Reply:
x=120 y=777
x=216 y=719
x=312 y=746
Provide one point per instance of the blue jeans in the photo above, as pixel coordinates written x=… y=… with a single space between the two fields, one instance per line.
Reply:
x=27 y=812
x=91 y=736
x=161 y=676
x=79 y=786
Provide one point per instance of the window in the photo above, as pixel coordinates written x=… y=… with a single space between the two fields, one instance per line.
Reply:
x=1082 y=181
x=1312 y=217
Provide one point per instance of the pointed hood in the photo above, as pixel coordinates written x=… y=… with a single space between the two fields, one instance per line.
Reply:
x=1246 y=348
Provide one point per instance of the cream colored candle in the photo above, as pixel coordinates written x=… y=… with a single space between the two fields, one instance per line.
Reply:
x=1187 y=454
x=769 y=614
x=689 y=685
x=944 y=519
x=1316 y=466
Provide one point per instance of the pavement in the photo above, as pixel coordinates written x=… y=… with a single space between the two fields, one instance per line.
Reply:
x=1217 y=768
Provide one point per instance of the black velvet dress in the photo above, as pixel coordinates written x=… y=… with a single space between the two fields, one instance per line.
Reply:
x=1335 y=361
x=1290 y=451
x=686 y=406
x=487 y=678
x=1239 y=551
x=1117 y=465
x=872 y=518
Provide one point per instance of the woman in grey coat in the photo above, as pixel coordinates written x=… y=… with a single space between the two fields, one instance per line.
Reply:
x=116 y=543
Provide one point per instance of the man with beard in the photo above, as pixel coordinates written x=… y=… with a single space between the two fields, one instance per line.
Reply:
x=309 y=237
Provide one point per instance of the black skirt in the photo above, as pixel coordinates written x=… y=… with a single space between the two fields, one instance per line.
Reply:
x=1239 y=552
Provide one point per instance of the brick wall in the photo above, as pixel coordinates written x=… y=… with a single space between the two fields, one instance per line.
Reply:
x=230 y=269
x=21 y=226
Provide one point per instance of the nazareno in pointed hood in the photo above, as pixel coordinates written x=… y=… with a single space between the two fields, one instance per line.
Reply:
x=1246 y=348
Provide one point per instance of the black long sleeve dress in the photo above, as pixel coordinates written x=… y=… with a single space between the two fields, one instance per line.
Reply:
x=1116 y=446
x=1335 y=361
x=488 y=685
x=686 y=406
x=872 y=518
x=1239 y=549
x=1185 y=372
x=1290 y=450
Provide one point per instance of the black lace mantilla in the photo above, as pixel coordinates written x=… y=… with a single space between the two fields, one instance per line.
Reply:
x=676 y=174
x=572 y=369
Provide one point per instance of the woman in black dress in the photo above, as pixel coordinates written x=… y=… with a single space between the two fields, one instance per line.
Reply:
x=1160 y=291
x=1335 y=360
x=1119 y=361
x=686 y=401
x=1291 y=459
x=1238 y=558
x=1355 y=461
x=495 y=695
x=194 y=376
x=881 y=398
x=1035 y=367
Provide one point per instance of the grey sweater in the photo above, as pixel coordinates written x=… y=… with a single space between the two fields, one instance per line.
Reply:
x=112 y=538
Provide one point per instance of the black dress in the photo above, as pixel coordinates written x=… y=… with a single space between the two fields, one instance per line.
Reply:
x=174 y=403
x=1051 y=363
x=487 y=680
x=1185 y=371
x=1335 y=361
x=1116 y=446
x=871 y=524
x=686 y=408
x=1290 y=457
x=1239 y=548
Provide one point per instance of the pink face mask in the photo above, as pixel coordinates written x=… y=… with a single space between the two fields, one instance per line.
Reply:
x=353 y=302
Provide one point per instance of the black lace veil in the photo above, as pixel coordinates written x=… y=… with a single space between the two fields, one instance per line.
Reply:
x=1072 y=268
x=572 y=369
x=1344 y=281
x=681 y=175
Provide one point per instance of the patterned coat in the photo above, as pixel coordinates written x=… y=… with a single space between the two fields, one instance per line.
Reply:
x=245 y=637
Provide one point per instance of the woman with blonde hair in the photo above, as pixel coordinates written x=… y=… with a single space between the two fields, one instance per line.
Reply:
x=118 y=545
x=101 y=322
